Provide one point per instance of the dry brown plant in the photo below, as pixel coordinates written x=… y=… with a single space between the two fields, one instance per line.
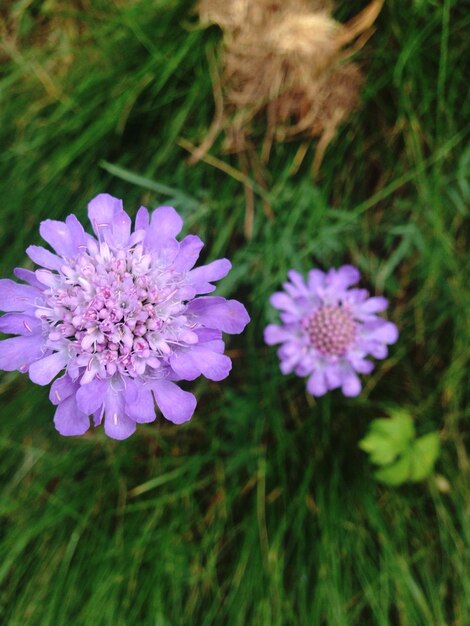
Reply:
x=287 y=73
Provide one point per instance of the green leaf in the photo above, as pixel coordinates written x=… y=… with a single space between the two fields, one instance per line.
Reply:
x=425 y=452
x=397 y=473
x=388 y=438
x=382 y=451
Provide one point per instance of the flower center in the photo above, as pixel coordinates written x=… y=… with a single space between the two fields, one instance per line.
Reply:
x=116 y=311
x=331 y=330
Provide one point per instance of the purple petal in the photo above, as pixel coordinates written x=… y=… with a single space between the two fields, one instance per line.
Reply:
x=44 y=258
x=57 y=235
x=298 y=282
x=290 y=356
x=47 y=278
x=188 y=253
x=18 y=353
x=90 y=397
x=140 y=408
x=315 y=279
x=380 y=330
x=333 y=377
x=43 y=371
x=282 y=301
x=20 y=324
x=69 y=420
x=208 y=334
x=212 y=365
x=229 y=316
x=376 y=349
x=116 y=423
x=142 y=219
x=357 y=297
x=351 y=386
x=121 y=229
x=316 y=384
x=374 y=305
x=343 y=277
x=28 y=276
x=101 y=212
x=165 y=224
x=276 y=334
x=79 y=237
x=16 y=297
x=201 y=277
x=363 y=366
x=61 y=389
x=175 y=404
x=183 y=366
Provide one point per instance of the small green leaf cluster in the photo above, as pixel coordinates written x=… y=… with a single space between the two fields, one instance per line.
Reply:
x=392 y=444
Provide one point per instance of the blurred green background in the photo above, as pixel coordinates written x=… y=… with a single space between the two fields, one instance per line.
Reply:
x=262 y=510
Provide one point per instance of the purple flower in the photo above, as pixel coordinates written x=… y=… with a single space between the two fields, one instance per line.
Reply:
x=328 y=329
x=120 y=314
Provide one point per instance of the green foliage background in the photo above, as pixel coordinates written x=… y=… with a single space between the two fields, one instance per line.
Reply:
x=262 y=510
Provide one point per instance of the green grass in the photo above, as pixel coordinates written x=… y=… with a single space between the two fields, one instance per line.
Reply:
x=262 y=510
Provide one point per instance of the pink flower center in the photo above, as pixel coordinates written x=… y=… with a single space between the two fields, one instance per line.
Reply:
x=331 y=330
x=116 y=311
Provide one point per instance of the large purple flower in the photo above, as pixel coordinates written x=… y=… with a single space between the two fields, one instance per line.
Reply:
x=120 y=313
x=328 y=329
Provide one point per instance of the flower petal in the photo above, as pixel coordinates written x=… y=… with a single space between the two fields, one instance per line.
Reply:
x=121 y=229
x=183 y=366
x=374 y=305
x=142 y=219
x=276 y=334
x=230 y=316
x=343 y=277
x=201 y=277
x=351 y=386
x=282 y=301
x=316 y=383
x=18 y=353
x=363 y=366
x=79 y=237
x=61 y=389
x=212 y=365
x=57 y=235
x=188 y=253
x=69 y=420
x=315 y=279
x=43 y=371
x=20 y=324
x=140 y=408
x=117 y=424
x=101 y=212
x=28 y=277
x=333 y=377
x=91 y=396
x=380 y=330
x=165 y=224
x=44 y=258
x=175 y=404
x=17 y=297
x=298 y=282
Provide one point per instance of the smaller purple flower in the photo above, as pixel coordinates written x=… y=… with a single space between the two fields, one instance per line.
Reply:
x=328 y=329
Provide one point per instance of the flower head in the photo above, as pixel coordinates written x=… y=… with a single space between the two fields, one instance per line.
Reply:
x=122 y=314
x=328 y=329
